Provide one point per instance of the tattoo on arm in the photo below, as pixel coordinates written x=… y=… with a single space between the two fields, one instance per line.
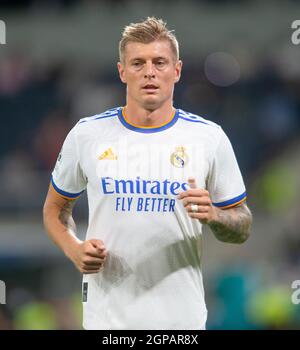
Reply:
x=65 y=215
x=232 y=225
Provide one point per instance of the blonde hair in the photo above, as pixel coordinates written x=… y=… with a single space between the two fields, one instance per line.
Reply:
x=145 y=32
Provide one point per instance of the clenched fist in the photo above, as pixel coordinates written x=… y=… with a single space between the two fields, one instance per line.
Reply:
x=197 y=203
x=88 y=256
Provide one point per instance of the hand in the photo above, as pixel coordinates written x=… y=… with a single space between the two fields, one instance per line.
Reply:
x=88 y=256
x=206 y=211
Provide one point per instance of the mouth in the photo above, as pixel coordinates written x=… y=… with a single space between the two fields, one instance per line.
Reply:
x=150 y=87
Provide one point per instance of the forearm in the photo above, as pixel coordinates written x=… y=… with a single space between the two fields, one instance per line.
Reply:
x=232 y=225
x=60 y=225
x=88 y=256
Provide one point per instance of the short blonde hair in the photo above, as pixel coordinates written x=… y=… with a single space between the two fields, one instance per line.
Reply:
x=145 y=32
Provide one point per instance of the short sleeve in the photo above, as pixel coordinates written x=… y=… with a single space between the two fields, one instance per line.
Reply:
x=67 y=178
x=225 y=182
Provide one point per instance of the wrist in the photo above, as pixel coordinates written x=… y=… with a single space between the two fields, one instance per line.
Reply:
x=214 y=217
x=71 y=246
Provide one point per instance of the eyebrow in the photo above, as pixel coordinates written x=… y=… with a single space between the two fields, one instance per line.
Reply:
x=142 y=59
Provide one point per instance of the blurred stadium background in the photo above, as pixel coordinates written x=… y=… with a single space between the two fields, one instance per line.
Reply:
x=240 y=70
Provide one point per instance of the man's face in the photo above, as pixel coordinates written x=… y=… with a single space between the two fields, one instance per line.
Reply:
x=150 y=73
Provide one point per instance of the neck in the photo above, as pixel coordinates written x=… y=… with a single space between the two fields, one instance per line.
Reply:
x=143 y=117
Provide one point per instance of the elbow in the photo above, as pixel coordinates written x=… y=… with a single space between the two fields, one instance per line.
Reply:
x=245 y=234
x=234 y=237
x=243 y=238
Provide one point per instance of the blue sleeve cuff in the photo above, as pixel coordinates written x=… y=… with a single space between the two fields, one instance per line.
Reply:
x=232 y=202
x=65 y=194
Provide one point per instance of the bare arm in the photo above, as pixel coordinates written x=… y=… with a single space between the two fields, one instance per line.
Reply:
x=232 y=225
x=87 y=256
x=228 y=225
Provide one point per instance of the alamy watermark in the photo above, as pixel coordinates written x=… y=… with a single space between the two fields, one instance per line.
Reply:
x=296 y=34
x=296 y=294
x=2 y=32
x=2 y=292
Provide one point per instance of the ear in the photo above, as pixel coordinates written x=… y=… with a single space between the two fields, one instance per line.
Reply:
x=178 y=68
x=122 y=72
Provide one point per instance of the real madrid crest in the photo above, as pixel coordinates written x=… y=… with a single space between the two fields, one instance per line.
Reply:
x=179 y=158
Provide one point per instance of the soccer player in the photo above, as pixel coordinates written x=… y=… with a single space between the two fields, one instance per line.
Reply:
x=154 y=174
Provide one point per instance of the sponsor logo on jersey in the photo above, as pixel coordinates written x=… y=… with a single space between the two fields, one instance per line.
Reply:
x=179 y=158
x=141 y=186
x=108 y=154
x=147 y=195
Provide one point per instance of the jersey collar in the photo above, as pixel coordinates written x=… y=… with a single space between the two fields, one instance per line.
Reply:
x=147 y=129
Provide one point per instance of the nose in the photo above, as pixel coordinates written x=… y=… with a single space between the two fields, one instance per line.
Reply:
x=149 y=72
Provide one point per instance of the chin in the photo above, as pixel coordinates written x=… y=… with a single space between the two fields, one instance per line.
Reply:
x=151 y=103
x=151 y=106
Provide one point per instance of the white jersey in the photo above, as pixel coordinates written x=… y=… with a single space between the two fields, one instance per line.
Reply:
x=152 y=278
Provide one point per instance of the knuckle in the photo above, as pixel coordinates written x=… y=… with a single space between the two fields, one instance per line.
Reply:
x=85 y=260
x=85 y=249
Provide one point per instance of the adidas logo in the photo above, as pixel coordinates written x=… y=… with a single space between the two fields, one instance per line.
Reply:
x=108 y=154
